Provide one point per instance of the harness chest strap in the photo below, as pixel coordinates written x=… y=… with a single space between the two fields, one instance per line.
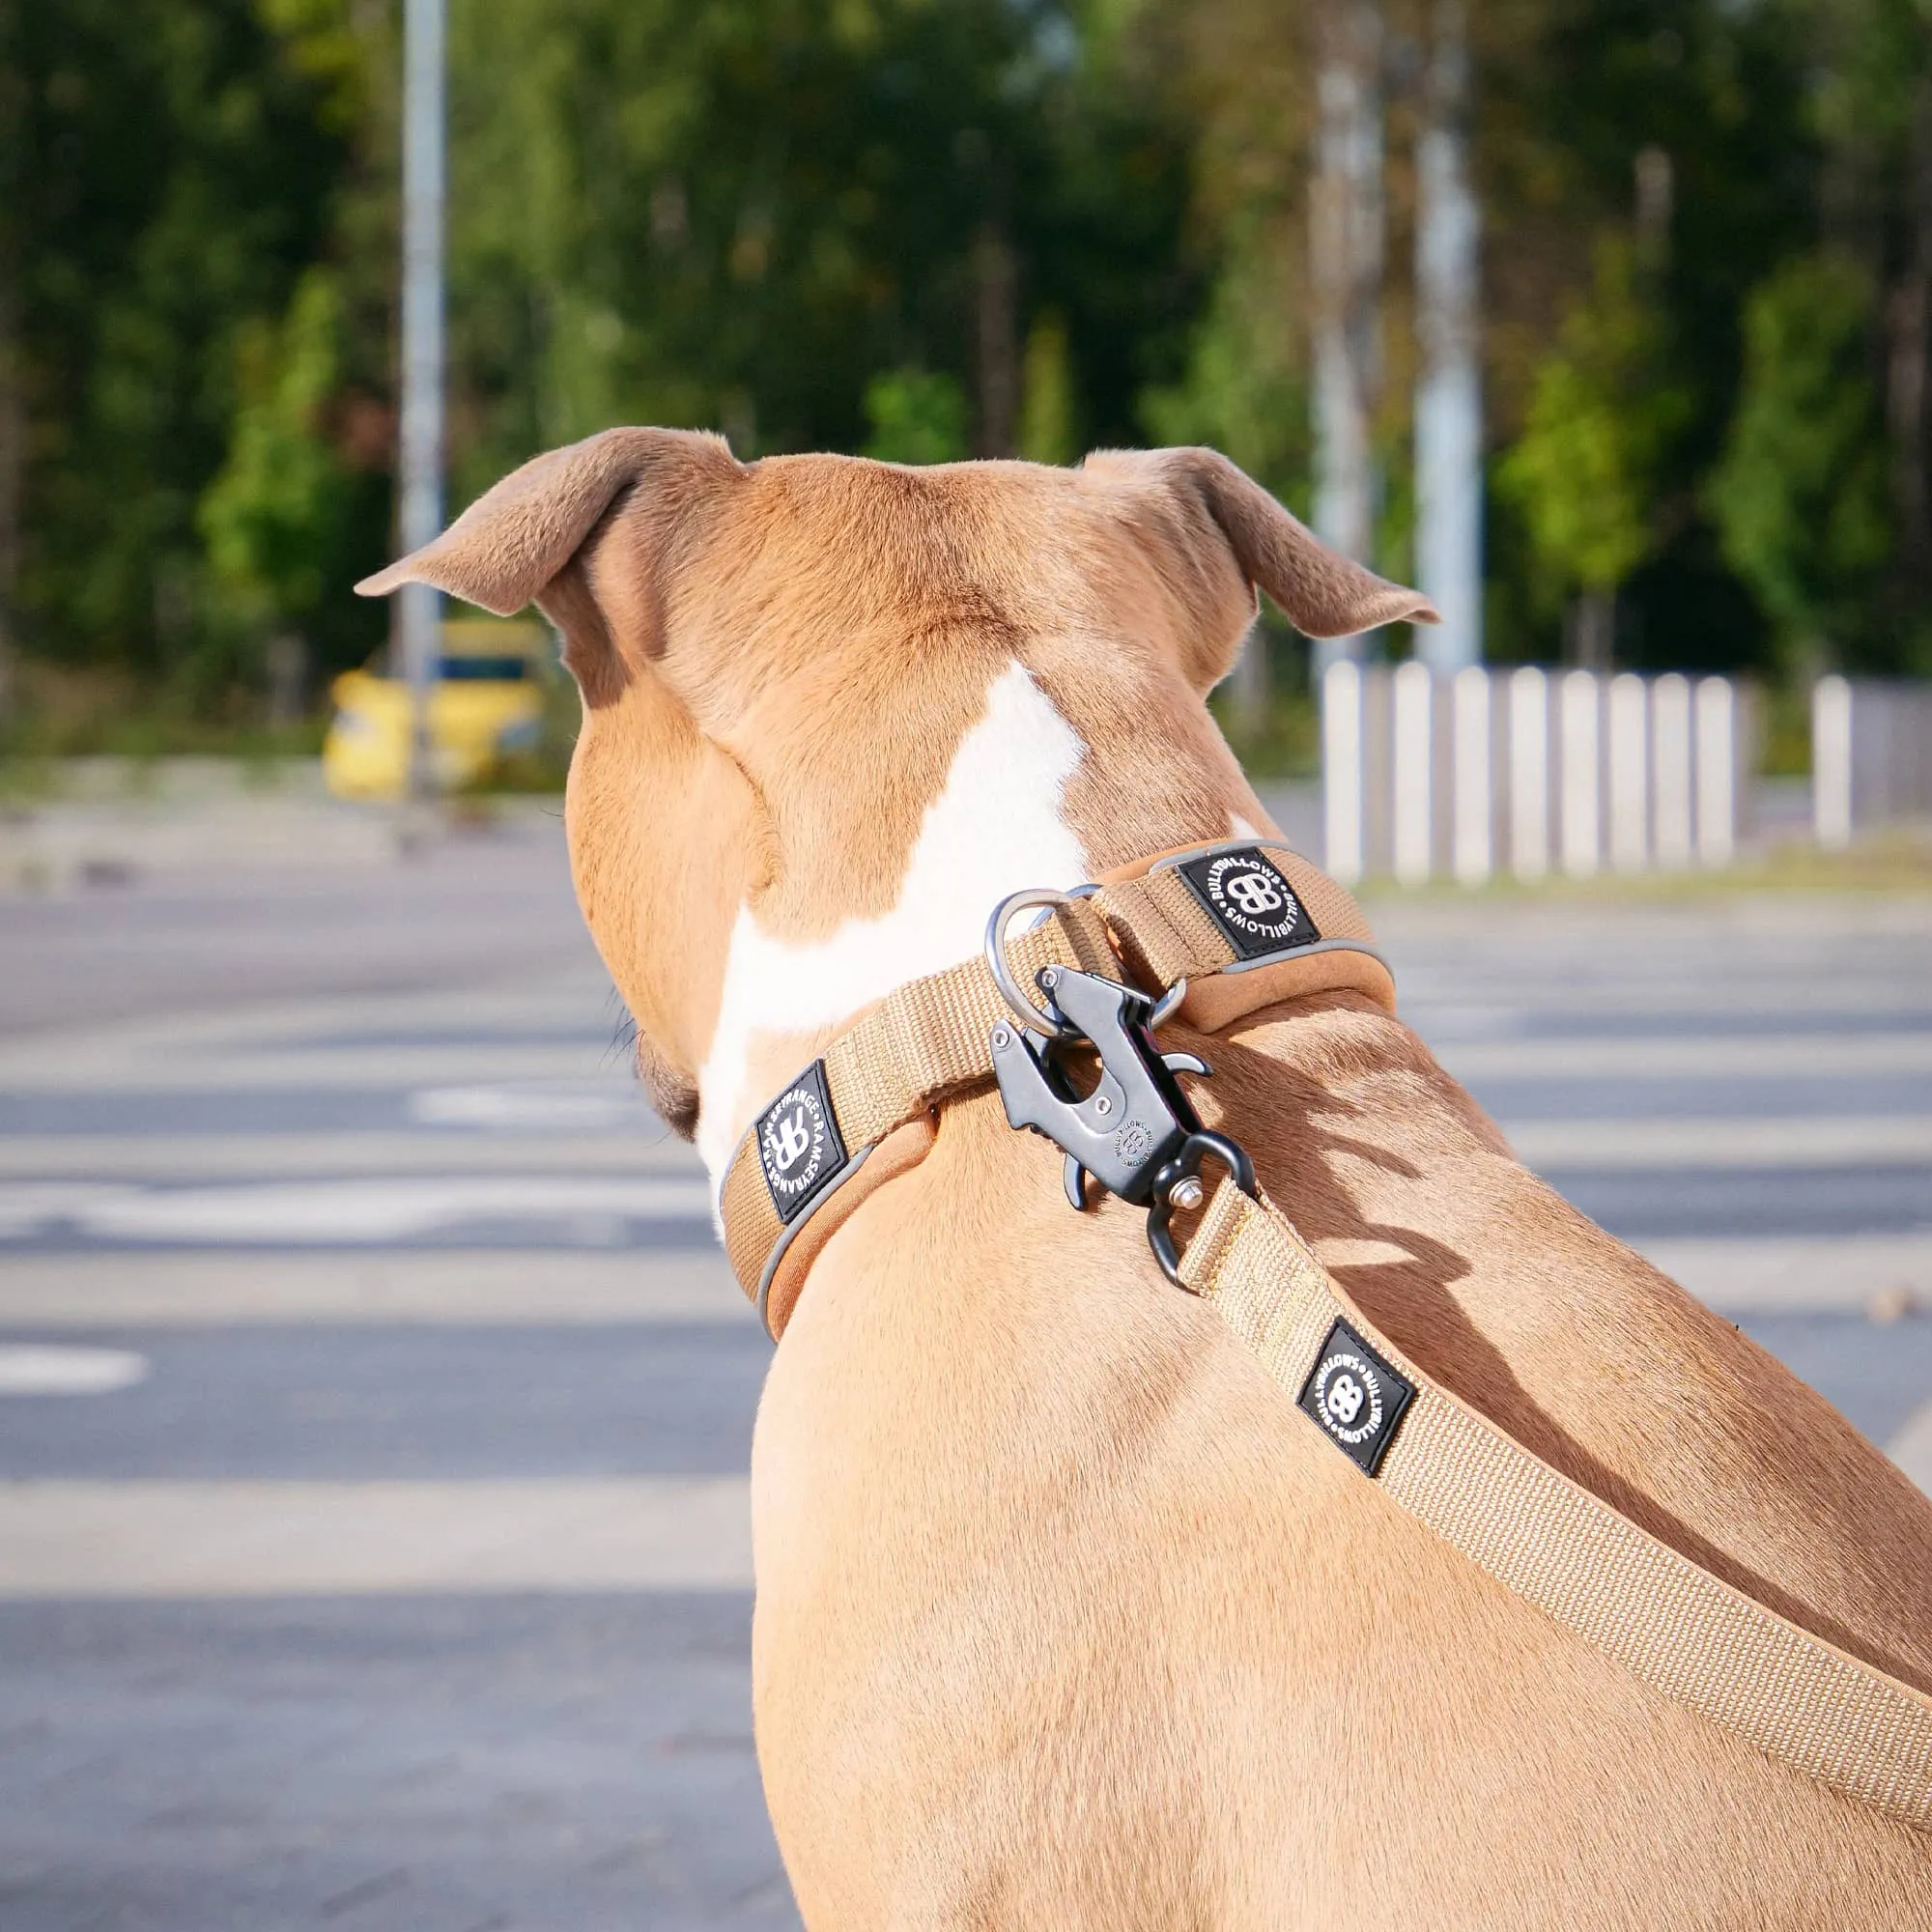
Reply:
x=1683 y=1631
x=862 y=1112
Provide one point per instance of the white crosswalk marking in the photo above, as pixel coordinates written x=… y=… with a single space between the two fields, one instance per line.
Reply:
x=143 y=1538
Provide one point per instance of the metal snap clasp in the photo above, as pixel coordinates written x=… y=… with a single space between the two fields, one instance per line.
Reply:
x=1178 y=1184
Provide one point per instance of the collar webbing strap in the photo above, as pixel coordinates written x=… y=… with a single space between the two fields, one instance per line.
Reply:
x=1683 y=1631
x=1196 y=914
x=926 y=1039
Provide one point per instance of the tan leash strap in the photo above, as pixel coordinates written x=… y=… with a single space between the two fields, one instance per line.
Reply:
x=929 y=1039
x=1683 y=1631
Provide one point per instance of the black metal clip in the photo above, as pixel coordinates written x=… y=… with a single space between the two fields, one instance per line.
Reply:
x=1134 y=1131
x=1135 y=1118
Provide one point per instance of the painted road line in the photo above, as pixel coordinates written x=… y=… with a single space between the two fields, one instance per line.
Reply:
x=1765 y=1276
x=179 y=1156
x=434 y=1287
x=38 y=1369
x=322 y=1067
x=295 y=1539
x=1728 y=1141
x=589 y=1208
x=1698 y=1056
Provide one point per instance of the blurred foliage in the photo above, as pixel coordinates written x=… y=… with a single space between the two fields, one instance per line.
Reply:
x=931 y=230
x=1801 y=493
x=1586 y=471
x=913 y=415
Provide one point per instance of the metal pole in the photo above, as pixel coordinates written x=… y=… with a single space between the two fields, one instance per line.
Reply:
x=420 y=458
x=1449 y=396
x=1345 y=242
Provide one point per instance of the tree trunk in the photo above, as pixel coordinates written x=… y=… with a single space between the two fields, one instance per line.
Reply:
x=1908 y=313
x=996 y=328
x=12 y=462
x=1346 y=229
x=1449 y=396
x=1593 y=631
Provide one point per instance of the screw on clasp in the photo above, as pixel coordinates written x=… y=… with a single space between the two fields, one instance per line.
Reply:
x=1178 y=1185
x=1133 y=1131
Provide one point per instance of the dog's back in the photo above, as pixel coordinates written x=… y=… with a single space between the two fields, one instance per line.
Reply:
x=1065 y=1617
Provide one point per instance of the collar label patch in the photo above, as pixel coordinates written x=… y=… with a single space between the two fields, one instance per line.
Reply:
x=1355 y=1398
x=1246 y=896
x=800 y=1147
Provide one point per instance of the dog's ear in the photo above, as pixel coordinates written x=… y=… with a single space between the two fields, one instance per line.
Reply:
x=517 y=543
x=1213 y=514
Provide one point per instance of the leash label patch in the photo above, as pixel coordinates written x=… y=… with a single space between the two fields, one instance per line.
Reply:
x=800 y=1148
x=1246 y=896
x=1355 y=1396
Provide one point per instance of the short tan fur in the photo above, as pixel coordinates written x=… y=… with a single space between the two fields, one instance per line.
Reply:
x=1064 y=1618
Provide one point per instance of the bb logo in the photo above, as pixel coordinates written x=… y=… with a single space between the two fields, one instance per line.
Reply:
x=799 y=1145
x=791 y=1137
x=1250 y=901
x=1345 y=1386
x=1356 y=1397
x=1253 y=892
x=1345 y=1397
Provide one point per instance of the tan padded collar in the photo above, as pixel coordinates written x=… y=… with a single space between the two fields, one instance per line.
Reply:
x=884 y=1075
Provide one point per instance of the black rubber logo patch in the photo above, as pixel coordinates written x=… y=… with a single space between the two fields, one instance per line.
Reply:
x=798 y=1144
x=1355 y=1396
x=1247 y=897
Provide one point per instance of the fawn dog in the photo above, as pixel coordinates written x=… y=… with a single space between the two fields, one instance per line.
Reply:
x=1061 y=1619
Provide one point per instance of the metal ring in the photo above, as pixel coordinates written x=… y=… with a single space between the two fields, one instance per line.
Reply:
x=1163 y=1008
x=1041 y=1020
x=1187 y=1162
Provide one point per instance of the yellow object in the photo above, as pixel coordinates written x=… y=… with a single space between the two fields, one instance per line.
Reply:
x=488 y=703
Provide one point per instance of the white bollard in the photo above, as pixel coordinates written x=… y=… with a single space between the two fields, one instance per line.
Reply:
x=1717 y=771
x=1470 y=699
x=1832 y=763
x=1581 y=775
x=1342 y=793
x=1412 y=780
x=1670 y=762
x=1629 y=774
x=1530 y=773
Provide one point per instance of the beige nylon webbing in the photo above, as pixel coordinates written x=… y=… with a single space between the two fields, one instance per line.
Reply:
x=1165 y=934
x=1683 y=1631
x=929 y=1038
x=926 y=1039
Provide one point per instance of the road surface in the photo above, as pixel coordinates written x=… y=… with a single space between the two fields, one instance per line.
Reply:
x=374 y=1408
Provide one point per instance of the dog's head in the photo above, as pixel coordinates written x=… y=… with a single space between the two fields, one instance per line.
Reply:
x=798 y=673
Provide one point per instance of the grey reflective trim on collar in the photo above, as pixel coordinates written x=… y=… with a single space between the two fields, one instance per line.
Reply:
x=1259 y=842
x=793 y=1229
x=1307 y=951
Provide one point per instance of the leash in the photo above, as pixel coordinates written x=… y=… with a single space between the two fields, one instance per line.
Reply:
x=1227 y=929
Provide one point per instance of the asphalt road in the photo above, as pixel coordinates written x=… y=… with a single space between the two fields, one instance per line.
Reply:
x=374 y=1409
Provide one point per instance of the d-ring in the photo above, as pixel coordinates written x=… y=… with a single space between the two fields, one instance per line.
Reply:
x=1048 y=1020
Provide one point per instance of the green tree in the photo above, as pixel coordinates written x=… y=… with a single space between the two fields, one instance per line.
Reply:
x=914 y=415
x=1800 y=495
x=168 y=178
x=1585 y=473
x=273 y=518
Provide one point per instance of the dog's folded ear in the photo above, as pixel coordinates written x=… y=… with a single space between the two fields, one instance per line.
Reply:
x=1221 y=509
x=519 y=536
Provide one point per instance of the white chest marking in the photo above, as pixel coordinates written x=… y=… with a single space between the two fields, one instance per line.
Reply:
x=994 y=829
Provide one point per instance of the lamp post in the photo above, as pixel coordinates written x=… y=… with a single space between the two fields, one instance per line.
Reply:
x=420 y=455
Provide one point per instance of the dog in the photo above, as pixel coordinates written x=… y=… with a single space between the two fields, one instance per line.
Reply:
x=1063 y=1618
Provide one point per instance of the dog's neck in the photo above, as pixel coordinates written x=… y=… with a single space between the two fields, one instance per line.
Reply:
x=1031 y=798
